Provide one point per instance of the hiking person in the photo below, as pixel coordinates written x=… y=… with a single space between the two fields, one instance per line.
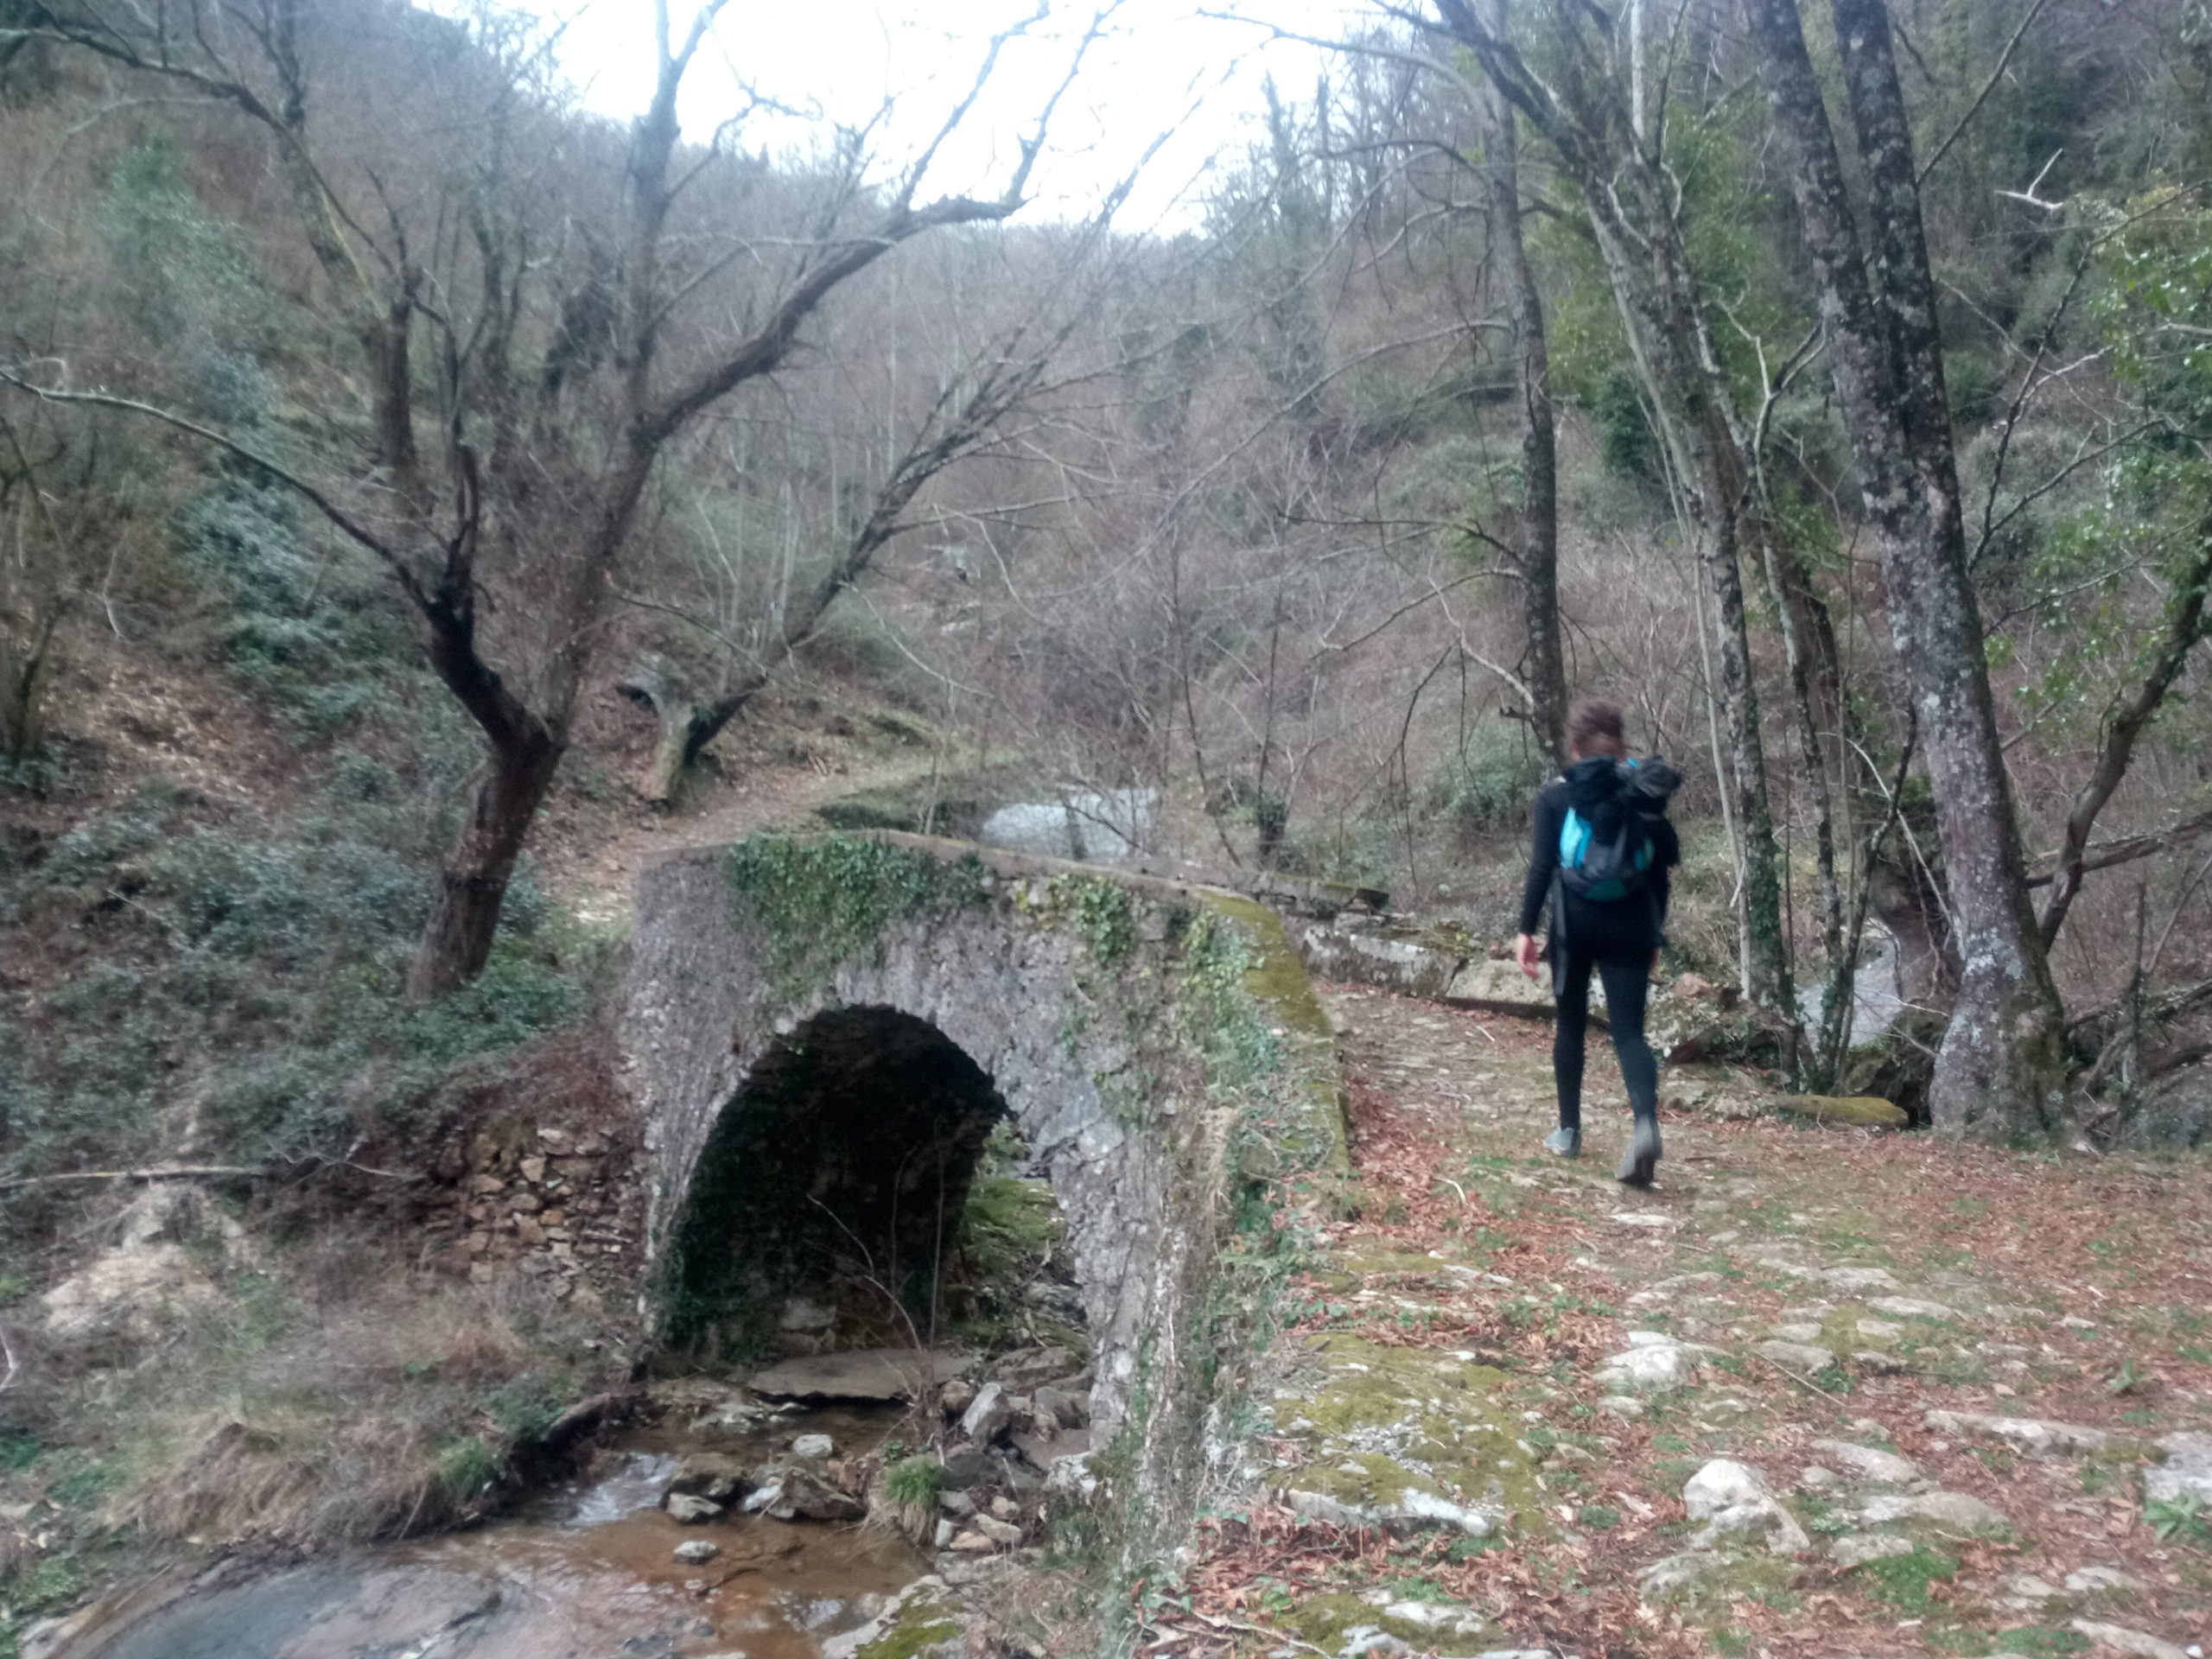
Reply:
x=1599 y=852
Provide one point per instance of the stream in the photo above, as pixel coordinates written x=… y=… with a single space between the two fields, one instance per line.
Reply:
x=582 y=1569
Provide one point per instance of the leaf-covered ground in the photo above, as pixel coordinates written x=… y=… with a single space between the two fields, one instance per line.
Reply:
x=2065 y=1291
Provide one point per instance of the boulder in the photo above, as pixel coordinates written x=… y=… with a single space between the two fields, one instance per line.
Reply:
x=694 y=1552
x=1026 y=1370
x=1803 y=1357
x=1856 y=1549
x=1411 y=1510
x=2121 y=1639
x=1684 y=1029
x=813 y=1448
x=690 y=1510
x=2037 y=1436
x=2185 y=1473
x=135 y=1293
x=1681 y=1572
x=1958 y=1510
x=1372 y=1642
x=801 y=1315
x=802 y=1494
x=2085 y=1580
x=1733 y=1499
x=988 y=1416
x=1857 y=1278
x=710 y=1475
x=1071 y=1474
x=1912 y=1308
x=2025 y=1593
x=1501 y=987
x=1071 y=1408
x=1651 y=1369
x=1870 y=1464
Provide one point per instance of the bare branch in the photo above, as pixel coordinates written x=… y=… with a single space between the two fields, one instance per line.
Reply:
x=2004 y=61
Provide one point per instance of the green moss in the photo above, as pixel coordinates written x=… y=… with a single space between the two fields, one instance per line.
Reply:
x=921 y=1625
x=823 y=900
x=1388 y=1421
x=1103 y=913
x=1758 y=1578
x=1273 y=973
x=1010 y=1226
x=1324 y=1619
x=1245 y=984
x=1903 y=1580
x=1865 y=1111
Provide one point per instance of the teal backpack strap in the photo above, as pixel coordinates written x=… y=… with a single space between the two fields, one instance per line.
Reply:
x=1573 y=840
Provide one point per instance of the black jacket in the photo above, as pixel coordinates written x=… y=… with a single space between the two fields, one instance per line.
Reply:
x=1623 y=927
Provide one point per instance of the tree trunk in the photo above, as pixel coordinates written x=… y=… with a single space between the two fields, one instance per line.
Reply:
x=1631 y=205
x=2001 y=1074
x=1536 y=543
x=1657 y=296
x=456 y=941
x=23 y=673
x=685 y=728
x=1783 y=567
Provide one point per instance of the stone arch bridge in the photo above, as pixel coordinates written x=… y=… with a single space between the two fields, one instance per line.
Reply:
x=820 y=1033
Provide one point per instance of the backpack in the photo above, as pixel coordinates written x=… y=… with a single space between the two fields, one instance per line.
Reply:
x=1604 y=843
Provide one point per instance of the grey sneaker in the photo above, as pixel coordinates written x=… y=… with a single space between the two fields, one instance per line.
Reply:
x=1642 y=1158
x=1567 y=1143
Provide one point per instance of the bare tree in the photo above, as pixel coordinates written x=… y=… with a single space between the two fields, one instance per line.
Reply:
x=540 y=465
x=55 y=512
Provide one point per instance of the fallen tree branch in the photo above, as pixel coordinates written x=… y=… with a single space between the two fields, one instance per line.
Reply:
x=2128 y=849
x=162 y=1173
x=2156 y=1011
x=1802 y=1382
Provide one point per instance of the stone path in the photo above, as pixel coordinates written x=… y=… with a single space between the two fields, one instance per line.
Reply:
x=1819 y=1392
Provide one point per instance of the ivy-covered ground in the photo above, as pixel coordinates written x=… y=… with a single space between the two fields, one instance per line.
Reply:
x=1806 y=1302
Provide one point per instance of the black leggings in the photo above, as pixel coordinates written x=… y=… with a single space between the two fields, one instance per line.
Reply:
x=1625 y=983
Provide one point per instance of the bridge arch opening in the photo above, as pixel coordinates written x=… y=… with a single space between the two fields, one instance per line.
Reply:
x=825 y=1207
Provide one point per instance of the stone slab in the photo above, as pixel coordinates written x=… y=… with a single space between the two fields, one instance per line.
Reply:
x=860 y=1374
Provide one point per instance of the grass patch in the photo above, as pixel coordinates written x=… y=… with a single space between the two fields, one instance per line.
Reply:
x=1905 y=1581
x=2182 y=1520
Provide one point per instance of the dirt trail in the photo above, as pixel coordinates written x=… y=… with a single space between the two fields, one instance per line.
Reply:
x=1806 y=1303
x=597 y=878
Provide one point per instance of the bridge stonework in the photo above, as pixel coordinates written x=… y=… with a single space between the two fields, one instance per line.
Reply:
x=1156 y=1044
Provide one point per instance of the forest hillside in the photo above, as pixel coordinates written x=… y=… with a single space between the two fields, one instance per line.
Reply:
x=424 y=501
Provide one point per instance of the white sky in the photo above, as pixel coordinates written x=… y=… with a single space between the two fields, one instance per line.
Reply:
x=846 y=57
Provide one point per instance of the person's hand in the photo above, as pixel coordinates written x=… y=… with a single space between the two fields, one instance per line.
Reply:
x=1524 y=954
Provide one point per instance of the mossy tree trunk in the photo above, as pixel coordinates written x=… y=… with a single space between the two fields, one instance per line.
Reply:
x=2001 y=1072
